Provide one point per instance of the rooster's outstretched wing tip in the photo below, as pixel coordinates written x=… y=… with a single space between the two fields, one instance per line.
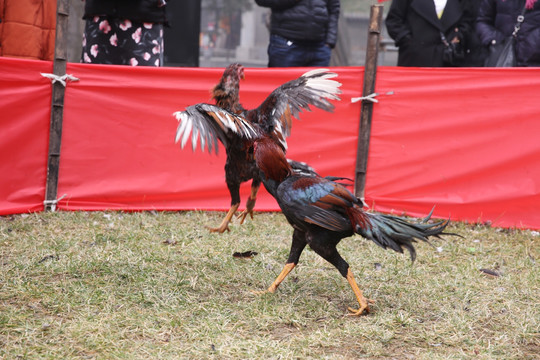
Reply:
x=313 y=72
x=323 y=73
x=177 y=115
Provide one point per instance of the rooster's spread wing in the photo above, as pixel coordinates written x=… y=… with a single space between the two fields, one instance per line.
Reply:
x=313 y=88
x=210 y=123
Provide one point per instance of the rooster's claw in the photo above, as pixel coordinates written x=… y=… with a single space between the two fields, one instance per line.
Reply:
x=364 y=307
x=220 y=229
x=358 y=312
x=259 y=292
x=242 y=216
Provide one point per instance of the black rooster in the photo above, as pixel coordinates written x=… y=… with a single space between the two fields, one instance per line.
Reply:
x=322 y=212
x=236 y=128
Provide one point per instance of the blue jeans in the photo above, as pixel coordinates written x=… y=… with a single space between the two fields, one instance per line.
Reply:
x=287 y=53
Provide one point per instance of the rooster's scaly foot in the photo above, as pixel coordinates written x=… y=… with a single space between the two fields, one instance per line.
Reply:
x=224 y=226
x=242 y=216
x=364 y=307
x=250 y=204
x=221 y=229
x=261 y=292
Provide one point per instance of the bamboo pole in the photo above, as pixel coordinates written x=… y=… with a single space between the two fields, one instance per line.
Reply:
x=57 y=104
x=370 y=72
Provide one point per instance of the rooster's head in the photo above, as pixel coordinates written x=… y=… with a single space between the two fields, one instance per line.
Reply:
x=226 y=93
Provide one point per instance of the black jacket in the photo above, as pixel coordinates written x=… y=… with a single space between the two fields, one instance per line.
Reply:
x=496 y=20
x=475 y=52
x=415 y=28
x=135 y=10
x=304 y=20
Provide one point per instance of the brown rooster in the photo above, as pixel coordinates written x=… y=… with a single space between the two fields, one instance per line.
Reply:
x=236 y=128
x=322 y=212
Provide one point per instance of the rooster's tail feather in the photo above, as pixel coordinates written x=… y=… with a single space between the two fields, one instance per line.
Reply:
x=396 y=233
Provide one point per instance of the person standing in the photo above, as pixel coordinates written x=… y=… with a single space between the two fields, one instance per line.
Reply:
x=416 y=27
x=496 y=21
x=302 y=32
x=124 y=32
x=28 y=29
x=475 y=52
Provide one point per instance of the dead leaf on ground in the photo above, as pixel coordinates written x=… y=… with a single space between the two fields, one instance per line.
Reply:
x=245 y=255
x=491 y=272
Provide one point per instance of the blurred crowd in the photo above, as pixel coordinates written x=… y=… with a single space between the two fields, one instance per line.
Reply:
x=427 y=33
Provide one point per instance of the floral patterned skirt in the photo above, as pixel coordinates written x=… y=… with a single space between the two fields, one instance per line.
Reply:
x=122 y=42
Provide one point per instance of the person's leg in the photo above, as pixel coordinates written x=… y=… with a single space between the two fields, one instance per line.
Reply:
x=285 y=53
x=320 y=55
x=140 y=44
x=98 y=46
x=122 y=42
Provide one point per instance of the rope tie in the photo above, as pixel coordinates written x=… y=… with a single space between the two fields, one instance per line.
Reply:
x=61 y=79
x=370 y=97
x=52 y=203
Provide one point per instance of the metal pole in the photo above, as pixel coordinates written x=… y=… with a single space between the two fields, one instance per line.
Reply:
x=370 y=72
x=57 y=104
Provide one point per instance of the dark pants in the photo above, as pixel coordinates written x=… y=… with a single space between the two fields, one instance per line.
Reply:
x=287 y=53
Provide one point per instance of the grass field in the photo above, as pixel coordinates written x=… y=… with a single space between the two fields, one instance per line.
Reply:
x=94 y=285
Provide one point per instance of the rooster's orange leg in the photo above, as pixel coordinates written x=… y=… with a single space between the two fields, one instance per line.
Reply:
x=250 y=204
x=286 y=270
x=297 y=246
x=364 y=303
x=225 y=223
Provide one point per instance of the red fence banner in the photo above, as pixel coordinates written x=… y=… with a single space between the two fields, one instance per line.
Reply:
x=462 y=140
x=118 y=149
x=25 y=103
x=465 y=140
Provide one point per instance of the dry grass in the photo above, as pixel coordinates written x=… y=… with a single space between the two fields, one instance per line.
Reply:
x=158 y=285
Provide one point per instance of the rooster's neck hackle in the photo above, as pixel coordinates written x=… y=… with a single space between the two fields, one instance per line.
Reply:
x=271 y=160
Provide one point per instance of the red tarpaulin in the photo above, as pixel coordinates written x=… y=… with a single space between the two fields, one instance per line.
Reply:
x=464 y=140
x=118 y=149
x=25 y=102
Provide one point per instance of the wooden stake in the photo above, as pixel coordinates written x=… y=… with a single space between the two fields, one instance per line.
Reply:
x=57 y=104
x=370 y=72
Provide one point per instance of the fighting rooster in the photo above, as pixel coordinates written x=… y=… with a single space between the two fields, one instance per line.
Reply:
x=322 y=212
x=236 y=128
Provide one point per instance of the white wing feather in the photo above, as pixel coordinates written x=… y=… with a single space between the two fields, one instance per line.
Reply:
x=210 y=123
x=187 y=131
